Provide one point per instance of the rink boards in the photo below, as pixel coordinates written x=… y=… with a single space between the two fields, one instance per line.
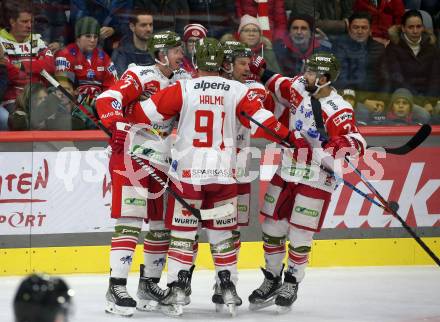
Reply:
x=55 y=198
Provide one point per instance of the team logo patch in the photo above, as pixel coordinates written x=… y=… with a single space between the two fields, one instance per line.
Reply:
x=116 y=105
x=62 y=63
x=91 y=74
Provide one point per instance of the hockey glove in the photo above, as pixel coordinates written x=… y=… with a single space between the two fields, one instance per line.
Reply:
x=302 y=152
x=341 y=146
x=257 y=65
x=119 y=132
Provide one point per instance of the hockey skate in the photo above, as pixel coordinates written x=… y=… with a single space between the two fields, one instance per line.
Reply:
x=172 y=304
x=228 y=291
x=118 y=300
x=149 y=294
x=217 y=298
x=188 y=290
x=264 y=296
x=287 y=293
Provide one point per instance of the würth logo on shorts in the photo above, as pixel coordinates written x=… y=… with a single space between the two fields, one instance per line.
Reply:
x=186 y=173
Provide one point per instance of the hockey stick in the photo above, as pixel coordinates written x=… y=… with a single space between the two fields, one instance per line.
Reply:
x=331 y=173
x=418 y=138
x=393 y=211
x=201 y=214
x=391 y=206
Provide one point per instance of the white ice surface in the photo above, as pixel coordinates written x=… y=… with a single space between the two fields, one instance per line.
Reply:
x=379 y=294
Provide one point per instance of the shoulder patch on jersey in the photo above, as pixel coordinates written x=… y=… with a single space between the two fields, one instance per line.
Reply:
x=62 y=63
x=343 y=117
x=101 y=54
x=116 y=105
x=251 y=95
x=332 y=104
x=8 y=45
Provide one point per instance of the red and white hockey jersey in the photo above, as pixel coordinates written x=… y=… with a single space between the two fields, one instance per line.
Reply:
x=209 y=109
x=118 y=102
x=338 y=118
x=33 y=56
x=93 y=72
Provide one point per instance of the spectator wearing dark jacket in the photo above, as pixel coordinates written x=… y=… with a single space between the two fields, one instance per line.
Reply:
x=276 y=17
x=412 y=57
x=111 y=15
x=384 y=15
x=218 y=16
x=330 y=15
x=297 y=45
x=361 y=57
x=134 y=48
x=168 y=15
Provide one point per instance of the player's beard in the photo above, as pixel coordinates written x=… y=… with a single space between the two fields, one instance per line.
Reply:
x=311 y=88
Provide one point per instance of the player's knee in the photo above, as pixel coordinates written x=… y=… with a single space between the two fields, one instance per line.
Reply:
x=275 y=227
x=300 y=239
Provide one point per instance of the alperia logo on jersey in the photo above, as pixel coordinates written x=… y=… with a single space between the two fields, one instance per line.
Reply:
x=306 y=211
x=135 y=202
x=214 y=85
x=269 y=198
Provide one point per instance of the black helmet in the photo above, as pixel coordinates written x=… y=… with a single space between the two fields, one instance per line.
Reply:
x=41 y=298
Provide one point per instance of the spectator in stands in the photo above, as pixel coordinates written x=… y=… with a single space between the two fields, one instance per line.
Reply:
x=168 y=15
x=297 y=44
x=403 y=111
x=249 y=32
x=111 y=15
x=28 y=105
x=26 y=54
x=384 y=15
x=412 y=57
x=3 y=86
x=51 y=22
x=271 y=15
x=133 y=48
x=89 y=66
x=371 y=108
x=361 y=56
x=331 y=16
x=218 y=16
x=191 y=34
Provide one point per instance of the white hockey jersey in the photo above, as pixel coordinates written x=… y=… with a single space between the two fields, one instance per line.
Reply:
x=118 y=104
x=206 y=142
x=338 y=118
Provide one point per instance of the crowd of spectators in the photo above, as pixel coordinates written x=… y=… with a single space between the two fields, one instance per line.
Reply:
x=388 y=50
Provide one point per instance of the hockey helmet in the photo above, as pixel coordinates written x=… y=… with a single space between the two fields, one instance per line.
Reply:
x=323 y=63
x=209 y=54
x=234 y=49
x=41 y=298
x=163 y=40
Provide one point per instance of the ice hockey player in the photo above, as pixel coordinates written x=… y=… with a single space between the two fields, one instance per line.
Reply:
x=41 y=298
x=203 y=161
x=134 y=201
x=297 y=199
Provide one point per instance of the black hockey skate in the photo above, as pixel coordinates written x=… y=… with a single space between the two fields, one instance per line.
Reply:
x=188 y=290
x=228 y=291
x=172 y=304
x=264 y=296
x=287 y=293
x=149 y=293
x=217 y=297
x=118 y=300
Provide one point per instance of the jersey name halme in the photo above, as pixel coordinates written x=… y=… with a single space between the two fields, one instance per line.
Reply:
x=207 y=85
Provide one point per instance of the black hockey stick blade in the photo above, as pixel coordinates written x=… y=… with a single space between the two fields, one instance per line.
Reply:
x=421 y=135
